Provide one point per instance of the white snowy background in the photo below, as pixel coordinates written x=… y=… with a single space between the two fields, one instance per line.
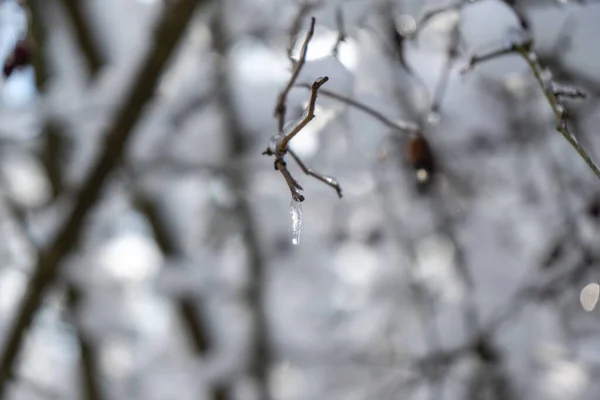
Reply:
x=390 y=293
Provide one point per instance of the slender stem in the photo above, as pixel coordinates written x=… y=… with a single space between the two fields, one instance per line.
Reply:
x=547 y=85
x=310 y=114
x=84 y=36
x=310 y=172
x=280 y=108
x=401 y=126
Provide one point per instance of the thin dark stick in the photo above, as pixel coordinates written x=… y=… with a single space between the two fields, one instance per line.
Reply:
x=168 y=34
x=339 y=21
x=91 y=384
x=544 y=79
x=38 y=32
x=84 y=36
x=303 y=10
x=280 y=108
x=401 y=126
x=442 y=85
x=309 y=115
x=328 y=180
x=281 y=166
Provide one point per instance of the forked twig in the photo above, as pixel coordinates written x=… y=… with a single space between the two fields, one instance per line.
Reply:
x=279 y=144
x=280 y=108
x=553 y=92
x=309 y=115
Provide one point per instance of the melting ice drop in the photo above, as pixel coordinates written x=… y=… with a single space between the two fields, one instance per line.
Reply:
x=296 y=213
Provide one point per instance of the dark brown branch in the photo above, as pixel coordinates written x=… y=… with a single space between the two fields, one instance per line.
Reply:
x=309 y=115
x=84 y=36
x=328 y=180
x=544 y=80
x=38 y=34
x=279 y=147
x=339 y=21
x=167 y=36
x=305 y=8
x=280 y=107
x=400 y=126
x=281 y=141
x=88 y=355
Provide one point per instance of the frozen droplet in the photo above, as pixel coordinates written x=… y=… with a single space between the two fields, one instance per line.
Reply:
x=296 y=213
x=406 y=25
x=434 y=118
x=589 y=296
x=422 y=175
x=274 y=141
x=330 y=180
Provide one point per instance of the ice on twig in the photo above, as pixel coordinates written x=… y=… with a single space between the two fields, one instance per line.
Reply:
x=589 y=296
x=296 y=213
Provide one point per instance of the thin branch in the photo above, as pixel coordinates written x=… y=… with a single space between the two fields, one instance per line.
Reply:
x=280 y=107
x=545 y=81
x=339 y=21
x=442 y=84
x=281 y=142
x=89 y=356
x=84 y=36
x=281 y=166
x=167 y=36
x=305 y=8
x=328 y=180
x=38 y=33
x=279 y=147
x=400 y=126
x=309 y=115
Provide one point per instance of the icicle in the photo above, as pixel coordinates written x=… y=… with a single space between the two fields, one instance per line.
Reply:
x=296 y=212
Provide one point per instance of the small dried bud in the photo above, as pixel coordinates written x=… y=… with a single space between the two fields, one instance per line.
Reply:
x=18 y=58
x=419 y=156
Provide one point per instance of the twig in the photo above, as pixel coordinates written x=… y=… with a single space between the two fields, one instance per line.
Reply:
x=89 y=356
x=84 y=36
x=544 y=79
x=442 y=84
x=309 y=115
x=328 y=180
x=305 y=8
x=167 y=36
x=37 y=31
x=280 y=147
x=400 y=126
x=280 y=107
x=339 y=21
